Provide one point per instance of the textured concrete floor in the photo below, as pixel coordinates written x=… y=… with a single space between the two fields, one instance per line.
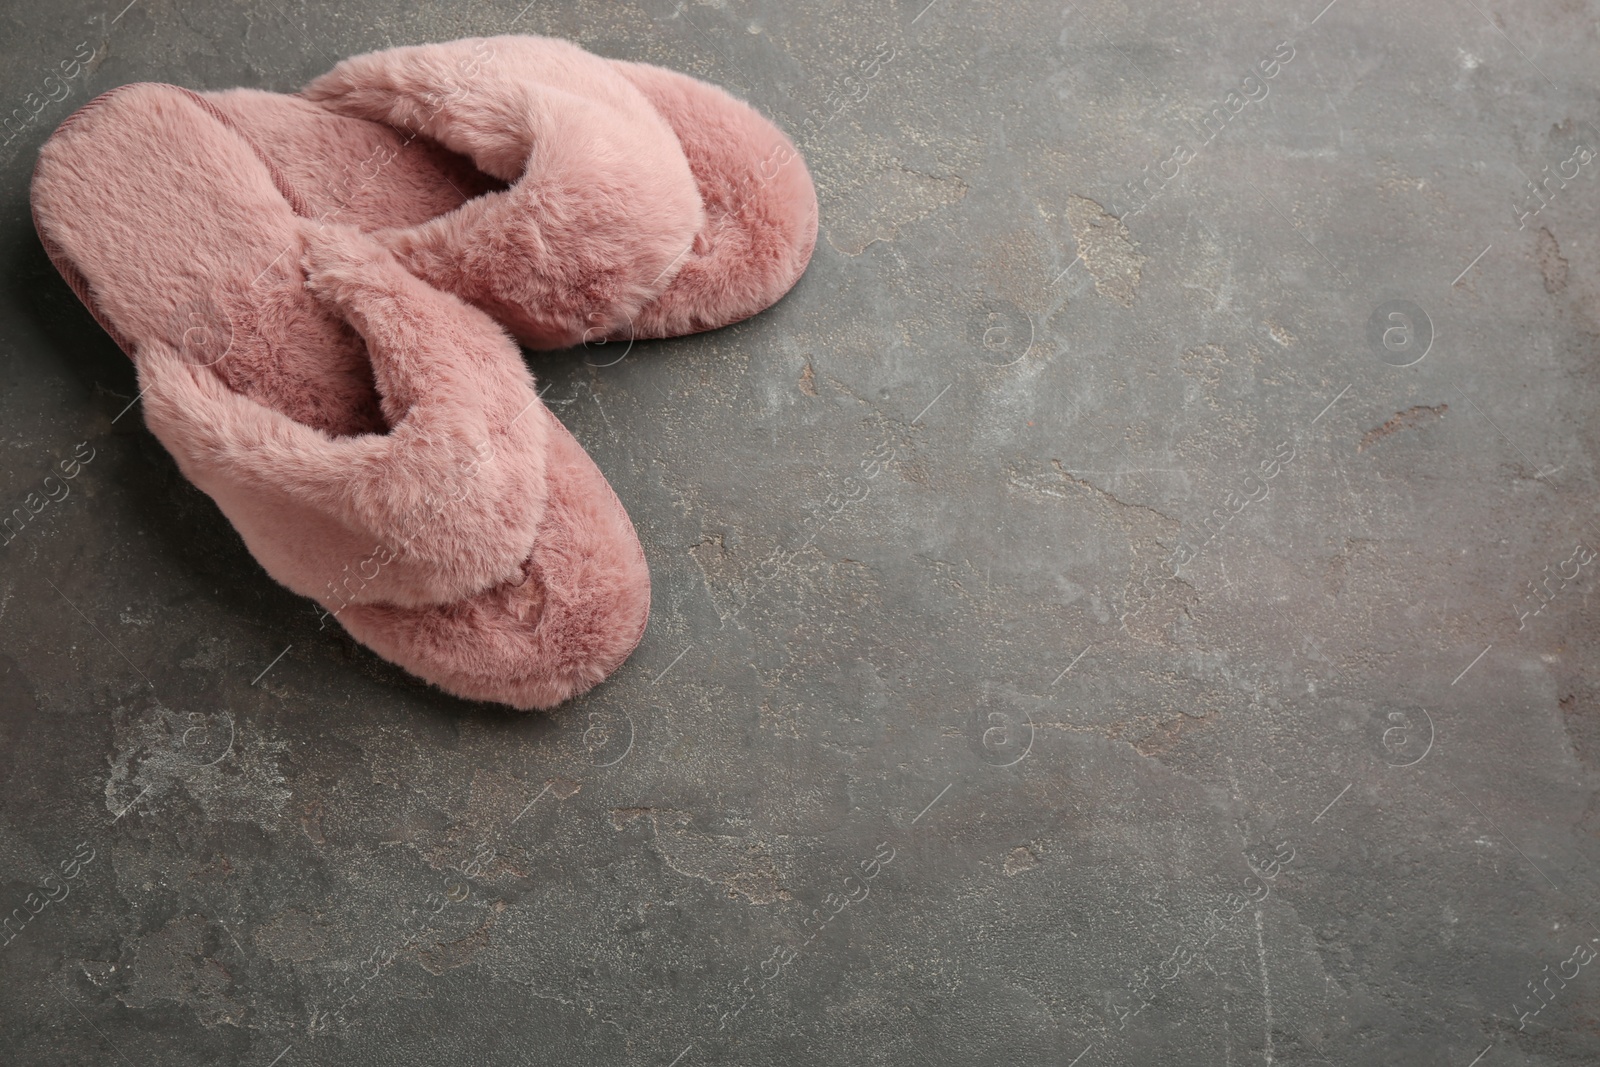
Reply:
x=927 y=757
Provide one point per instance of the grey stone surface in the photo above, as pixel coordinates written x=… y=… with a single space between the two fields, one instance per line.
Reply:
x=1325 y=797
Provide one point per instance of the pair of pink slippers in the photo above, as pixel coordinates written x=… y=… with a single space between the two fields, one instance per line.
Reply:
x=316 y=291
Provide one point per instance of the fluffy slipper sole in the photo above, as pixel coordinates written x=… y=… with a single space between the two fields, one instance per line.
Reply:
x=355 y=425
x=591 y=199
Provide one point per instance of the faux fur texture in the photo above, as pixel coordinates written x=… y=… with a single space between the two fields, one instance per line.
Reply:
x=578 y=615
x=446 y=503
x=377 y=443
x=640 y=203
x=761 y=208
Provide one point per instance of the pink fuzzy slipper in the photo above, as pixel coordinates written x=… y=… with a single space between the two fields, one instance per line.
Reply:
x=592 y=199
x=377 y=443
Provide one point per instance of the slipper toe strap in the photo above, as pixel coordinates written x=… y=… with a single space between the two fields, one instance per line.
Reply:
x=446 y=504
x=602 y=208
